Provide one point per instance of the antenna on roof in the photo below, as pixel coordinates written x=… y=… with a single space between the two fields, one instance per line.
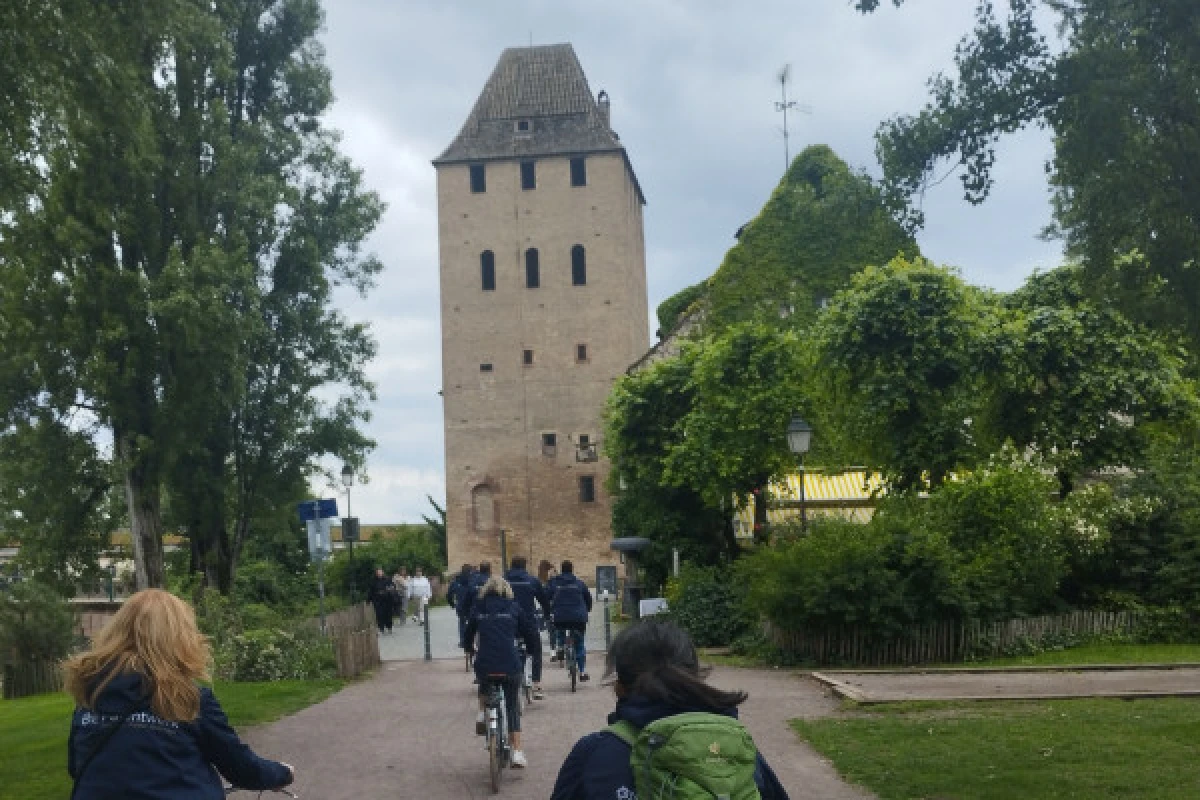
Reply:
x=785 y=75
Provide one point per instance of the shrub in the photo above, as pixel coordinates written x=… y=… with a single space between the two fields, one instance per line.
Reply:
x=36 y=623
x=708 y=605
x=272 y=654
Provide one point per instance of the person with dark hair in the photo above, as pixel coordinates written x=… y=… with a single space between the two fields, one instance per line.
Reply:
x=661 y=689
x=530 y=594
x=477 y=583
x=499 y=621
x=382 y=596
x=570 y=604
x=456 y=596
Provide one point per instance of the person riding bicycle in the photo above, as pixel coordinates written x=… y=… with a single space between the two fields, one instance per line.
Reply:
x=530 y=594
x=498 y=619
x=660 y=684
x=570 y=604
x=456 y=596
x=477 y=582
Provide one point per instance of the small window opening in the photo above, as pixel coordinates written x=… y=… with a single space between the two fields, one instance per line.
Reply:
x=527 y=357
x=587 y=488
x=584 y=440
x=528 y=175
x=523 y=125
x=581 y=353
x=487 y=270
x=578 y=266
x=533 y=277
x=478 y=179
x=549 y=444
x=578 y=172
x=485 y=367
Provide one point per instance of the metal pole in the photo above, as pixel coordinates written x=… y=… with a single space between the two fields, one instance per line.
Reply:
x=428 y=648
x=675 y=562
x=803 y=510
x=321 y=590
x=350 y=515
x=607 y=626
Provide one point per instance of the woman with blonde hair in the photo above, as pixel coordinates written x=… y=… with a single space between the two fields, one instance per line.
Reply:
x=498 y=619
x=143 y=728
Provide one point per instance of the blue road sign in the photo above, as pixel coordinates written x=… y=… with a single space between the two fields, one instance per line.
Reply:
x=307 y=510
x=327 y=508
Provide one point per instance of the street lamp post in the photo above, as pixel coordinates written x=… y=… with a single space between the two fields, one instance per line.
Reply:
x=348 y=481
x=799 y=438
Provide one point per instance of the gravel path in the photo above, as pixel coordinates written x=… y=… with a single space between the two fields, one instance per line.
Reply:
x=408 y=732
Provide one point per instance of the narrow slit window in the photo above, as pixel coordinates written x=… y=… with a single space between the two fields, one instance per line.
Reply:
x=527 y=358
x=533 y=275
x=581 y=353
x=485 y=367
x=528 y=175
x=587 y=488
x=578 y=266
x=549 y=444
x=487 y=270
x=478 y=179
x=578 y=172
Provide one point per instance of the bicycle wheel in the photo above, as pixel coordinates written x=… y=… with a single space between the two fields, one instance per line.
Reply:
x=494 y=768
x=572 y=667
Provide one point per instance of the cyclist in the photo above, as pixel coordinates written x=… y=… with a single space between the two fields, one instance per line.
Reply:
x=498 y=620
x=456 y=596
x=530 y=594
x=477 y=581
x=570 y=604
x=657 y=677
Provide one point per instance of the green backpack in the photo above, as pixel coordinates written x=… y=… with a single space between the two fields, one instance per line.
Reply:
x=693 y=756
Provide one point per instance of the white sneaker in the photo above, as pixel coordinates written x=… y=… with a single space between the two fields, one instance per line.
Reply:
x=480 y=724
x=518 y=759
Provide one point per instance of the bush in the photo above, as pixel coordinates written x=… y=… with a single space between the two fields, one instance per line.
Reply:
x=271 y=654
x=708 y=605
x=36 y=623
x=410 y=546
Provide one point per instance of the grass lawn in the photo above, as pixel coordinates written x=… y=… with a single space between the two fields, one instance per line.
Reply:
x=33 y=730
x=1028 y=751
x=1104 y=654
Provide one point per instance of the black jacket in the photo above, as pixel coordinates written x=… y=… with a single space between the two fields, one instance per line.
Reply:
x=149 y=758
x=499 y=621
x=478 y=580
x=598 y=766
x=570 y=600
x=381 y=590
x=528 y=591
x=456 y=595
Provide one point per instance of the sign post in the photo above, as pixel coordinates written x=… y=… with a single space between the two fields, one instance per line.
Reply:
x=317 y=516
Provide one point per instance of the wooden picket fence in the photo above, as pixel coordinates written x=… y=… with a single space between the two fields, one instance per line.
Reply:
x=27 y=678
x=944 y=642
x=355 y=643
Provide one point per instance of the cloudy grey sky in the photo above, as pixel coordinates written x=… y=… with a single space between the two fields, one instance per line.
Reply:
x=693 y=88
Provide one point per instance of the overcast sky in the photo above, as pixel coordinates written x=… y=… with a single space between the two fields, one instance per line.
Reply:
x=693 y=87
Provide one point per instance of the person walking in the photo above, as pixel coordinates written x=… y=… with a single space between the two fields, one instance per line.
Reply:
x=143 y=727
x=570 y=604
x=530 y=594
x=400 y=581
x=381 y=595
x=664 y=701
x=456 y=596
x=498 y=620
x=419 y=593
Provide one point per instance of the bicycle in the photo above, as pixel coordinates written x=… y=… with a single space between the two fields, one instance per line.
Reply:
x=499 y=748
x=526 y=674
x=569 y=656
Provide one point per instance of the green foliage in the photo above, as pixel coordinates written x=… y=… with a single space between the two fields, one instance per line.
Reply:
x=708 y=605
x=436 y=526
x=35 y=623
x=271 y=654
x=822 y=224
x=408 y=546
x=671 y=310
x=276 y=586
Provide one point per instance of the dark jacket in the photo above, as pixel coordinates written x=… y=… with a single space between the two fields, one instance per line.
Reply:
x=598 y=766
x=149 y=758
x=528 y=591
x=499 y=621
x=478 y=579
x=457 y=593
x=382 y=590
x=570 y=600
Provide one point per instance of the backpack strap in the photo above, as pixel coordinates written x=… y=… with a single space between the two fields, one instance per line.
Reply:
x=624 y=730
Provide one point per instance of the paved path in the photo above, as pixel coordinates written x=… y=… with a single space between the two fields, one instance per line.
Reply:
x=408 y=732
x=884 y=687
x=407 y=642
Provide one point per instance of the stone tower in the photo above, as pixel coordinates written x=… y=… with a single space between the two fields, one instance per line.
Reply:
x=543 y=302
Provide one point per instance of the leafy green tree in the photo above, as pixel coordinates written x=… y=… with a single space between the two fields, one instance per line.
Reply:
x=35 y=624
x=1122 y=96
x=436 y=526
x=822 y=224
x=671 y=310
x=899 y=363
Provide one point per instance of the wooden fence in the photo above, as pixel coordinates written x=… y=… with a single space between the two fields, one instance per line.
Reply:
x=944 y=642
x=355 y=643
x=27 y=678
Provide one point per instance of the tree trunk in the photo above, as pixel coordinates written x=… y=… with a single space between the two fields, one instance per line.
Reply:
x=145 y=521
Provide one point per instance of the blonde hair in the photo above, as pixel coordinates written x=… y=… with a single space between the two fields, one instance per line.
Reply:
x=496 y=585
x=155 y=635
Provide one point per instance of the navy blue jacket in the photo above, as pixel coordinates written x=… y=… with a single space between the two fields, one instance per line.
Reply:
x=149 y=758
x=528 y=591
x=456 y=595
x=499 y=621
x=570 y=600
x=478 y=579
x=598 y=766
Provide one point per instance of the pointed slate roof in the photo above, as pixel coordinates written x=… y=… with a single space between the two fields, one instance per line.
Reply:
x=544 y=86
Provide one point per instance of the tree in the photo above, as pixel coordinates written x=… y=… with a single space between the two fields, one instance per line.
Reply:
x=1122 y=97
x=436 y=526
x=899 y=361
x=671 y=310
x=822 y=224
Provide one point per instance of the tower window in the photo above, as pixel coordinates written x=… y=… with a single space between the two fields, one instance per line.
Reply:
x=487 y=270
x=578 y=172
x=578 y=266
x=527 y=358
x=528 y=175
x=549 y=444
x=533 y=275
x=581 y=353
x=485 y=367
x=587 y=488
x=584 y=440
x=478 y=179
x=523 y=125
